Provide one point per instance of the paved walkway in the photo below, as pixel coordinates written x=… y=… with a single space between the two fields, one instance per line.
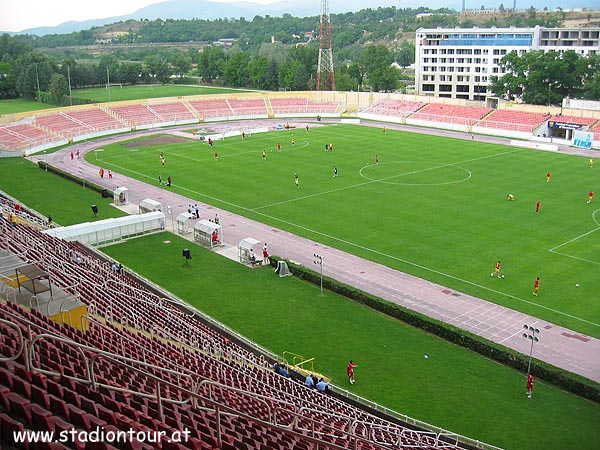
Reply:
x=558 y=346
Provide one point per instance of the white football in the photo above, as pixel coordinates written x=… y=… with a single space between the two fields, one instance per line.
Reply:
x=577 y=285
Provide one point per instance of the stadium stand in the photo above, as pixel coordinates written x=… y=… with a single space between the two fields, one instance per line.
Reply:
x=62 y=124
x=172 y=111
x=244 y=107
x=596 y=130
x=398 y=108
x=300 y=105
x=504 y=119
x=144 y=362
x=136 y=114
x=454 y=114
x=212 y=108
x=23 y=136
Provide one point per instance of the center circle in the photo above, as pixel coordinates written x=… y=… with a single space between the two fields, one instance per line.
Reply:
x=415 y=173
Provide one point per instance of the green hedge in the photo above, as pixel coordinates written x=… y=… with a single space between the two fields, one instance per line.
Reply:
x=571 y=382
x=74 y=178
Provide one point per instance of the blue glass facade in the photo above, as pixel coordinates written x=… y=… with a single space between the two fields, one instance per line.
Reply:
x=482 y=40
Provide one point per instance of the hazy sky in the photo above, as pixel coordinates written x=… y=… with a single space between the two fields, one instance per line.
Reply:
x=17 y=15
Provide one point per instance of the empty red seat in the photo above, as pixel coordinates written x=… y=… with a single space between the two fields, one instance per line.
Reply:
x=17 y=406
x=8 y=428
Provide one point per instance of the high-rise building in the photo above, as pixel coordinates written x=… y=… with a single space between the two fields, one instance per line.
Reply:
x=458 y=62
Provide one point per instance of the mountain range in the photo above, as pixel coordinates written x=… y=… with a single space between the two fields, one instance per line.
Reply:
x=205 y=9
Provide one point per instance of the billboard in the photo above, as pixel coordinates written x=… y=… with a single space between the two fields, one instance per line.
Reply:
x=583 y=139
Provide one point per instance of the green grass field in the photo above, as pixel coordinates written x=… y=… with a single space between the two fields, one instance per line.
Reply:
x=67 y=202
x=433 y=207
x=14 y=106
x=289 y=315
x=101 y=94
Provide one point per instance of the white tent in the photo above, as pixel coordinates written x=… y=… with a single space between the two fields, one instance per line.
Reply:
x=246 y=248
x=183 y=222
x=111 y=230
x=204 y=231
x=149 y=205
x=121 y=196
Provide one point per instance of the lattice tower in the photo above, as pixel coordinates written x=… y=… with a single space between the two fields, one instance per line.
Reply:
x=325 y=75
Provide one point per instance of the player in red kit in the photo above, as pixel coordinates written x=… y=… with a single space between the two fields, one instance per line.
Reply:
x=590 y=196
x=536 y=286
x=377 y=159
x=529 y=385
x=278 y=147
x=350 y=371
x=537 y=206
x=548 y=175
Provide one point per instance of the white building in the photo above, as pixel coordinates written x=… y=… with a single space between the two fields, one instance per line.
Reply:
x=458 y=62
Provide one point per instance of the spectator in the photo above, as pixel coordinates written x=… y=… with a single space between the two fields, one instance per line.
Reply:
x=309 y=382
x=322 y=386
x=283 y=371
x=265 y=254
x=121 y=270
x=114 y=267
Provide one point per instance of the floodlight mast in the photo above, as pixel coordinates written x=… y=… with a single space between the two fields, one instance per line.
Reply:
x=325 y=75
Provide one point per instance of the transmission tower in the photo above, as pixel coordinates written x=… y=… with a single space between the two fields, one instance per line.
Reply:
x=325 y=76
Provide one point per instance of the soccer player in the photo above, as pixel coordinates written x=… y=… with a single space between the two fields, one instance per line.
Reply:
x=296 y=180
x=529 y=385
x=537 y=206
x=591 y=163
x=510 y=198
x=383 y=130
x=350 y=371
x=334 y=171
x=278 y=147
x=243 y=135
x=548 y=175
x=536 y=286
x=330 y=147
x=216 y=156
x=264 y=155
x=590 y=196
x=496 y=270
x=377 y=160
x=293 y=141
x=307 y=127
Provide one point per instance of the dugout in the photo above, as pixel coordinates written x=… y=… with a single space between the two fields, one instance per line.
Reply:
x=110 y=230
x=121 y=196
x=204 y=231
x=245 y=247
x=184 y=222
x=149 y=205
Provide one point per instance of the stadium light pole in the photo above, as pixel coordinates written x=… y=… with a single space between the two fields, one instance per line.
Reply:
x=319 y=262
x=530 y=334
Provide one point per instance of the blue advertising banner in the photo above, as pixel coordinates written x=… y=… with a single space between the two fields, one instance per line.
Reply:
x=583 y=139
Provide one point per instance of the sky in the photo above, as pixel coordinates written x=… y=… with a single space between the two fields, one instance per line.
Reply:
x=17 y=15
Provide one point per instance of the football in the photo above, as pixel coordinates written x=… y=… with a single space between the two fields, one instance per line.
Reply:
x=502 y=276
x=576 y=284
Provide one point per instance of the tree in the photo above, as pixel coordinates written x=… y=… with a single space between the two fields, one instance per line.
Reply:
x=129 y=72
x=235 y=70
x=406 y=55
x=541 y=78
x=211 y=63
x=58 y=87
x=258 y=70
x=181 y=64
x=7 y=81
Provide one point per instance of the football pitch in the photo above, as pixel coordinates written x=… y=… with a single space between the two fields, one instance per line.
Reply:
x=433 y=207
